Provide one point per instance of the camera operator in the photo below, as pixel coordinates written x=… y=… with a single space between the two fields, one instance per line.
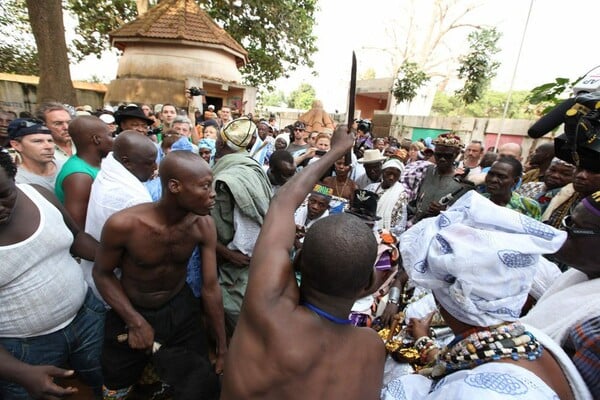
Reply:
x=579 y=145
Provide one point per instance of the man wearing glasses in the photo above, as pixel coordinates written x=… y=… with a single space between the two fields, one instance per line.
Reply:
x=57 y=119
x=569 y=311
x=439 y=181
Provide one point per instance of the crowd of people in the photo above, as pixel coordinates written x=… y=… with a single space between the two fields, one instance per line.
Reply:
x=152 y=256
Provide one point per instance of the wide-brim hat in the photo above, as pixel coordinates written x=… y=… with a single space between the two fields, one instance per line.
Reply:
x=364 y=205
x=371 y=156
x=131 y=112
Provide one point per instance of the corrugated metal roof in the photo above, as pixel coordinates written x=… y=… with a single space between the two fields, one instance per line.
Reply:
x=178 y=20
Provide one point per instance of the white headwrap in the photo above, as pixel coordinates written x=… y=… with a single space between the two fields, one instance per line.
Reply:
x=393 y=163
x=478 y=258
x=285 y=137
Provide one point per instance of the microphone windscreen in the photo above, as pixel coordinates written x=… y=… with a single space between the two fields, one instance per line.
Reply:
x=551 y=120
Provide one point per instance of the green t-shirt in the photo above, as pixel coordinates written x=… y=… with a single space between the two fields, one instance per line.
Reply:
x=73 y=165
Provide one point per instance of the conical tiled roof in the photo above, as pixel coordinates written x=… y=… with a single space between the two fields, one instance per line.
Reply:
x=179 y=20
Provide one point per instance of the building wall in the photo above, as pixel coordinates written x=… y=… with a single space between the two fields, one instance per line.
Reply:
x=160 y=73
x=19 y=93
x=368 y=106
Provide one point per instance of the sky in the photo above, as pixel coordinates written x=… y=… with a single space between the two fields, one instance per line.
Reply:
x=558 y=42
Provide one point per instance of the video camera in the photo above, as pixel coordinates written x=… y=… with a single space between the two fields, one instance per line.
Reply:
x=194 y=91
x=580 y=144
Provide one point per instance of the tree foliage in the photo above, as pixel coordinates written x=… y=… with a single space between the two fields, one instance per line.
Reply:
x=18 y=54
x=95 y=18
x=276 y=33
x=490 y=105
x=275 y=99
x=477 y=67
x=548 y=95
x=302 y=97
x=410 y=79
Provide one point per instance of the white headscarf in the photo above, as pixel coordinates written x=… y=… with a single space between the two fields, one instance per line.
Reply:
x=478 y=258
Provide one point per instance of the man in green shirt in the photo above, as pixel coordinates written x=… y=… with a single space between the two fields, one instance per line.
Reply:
x=93 y=140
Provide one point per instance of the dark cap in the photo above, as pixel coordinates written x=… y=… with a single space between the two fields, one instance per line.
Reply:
x=26 y=126
x=299 y=125
x=364 y=205
x=210 y=122
x=131 y=112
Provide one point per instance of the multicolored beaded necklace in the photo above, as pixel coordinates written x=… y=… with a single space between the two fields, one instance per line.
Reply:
x=474 y=348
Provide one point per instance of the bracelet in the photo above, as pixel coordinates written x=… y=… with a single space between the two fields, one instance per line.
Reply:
x=423 y=343
x=394 y=296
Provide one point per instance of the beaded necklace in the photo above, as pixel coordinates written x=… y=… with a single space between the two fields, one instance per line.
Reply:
x=474 y=348
x=337 y=189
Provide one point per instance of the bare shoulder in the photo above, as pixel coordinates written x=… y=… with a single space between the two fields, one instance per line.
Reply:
x=130 y=218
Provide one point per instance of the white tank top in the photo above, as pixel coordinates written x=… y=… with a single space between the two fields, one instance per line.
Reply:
x=41 y=285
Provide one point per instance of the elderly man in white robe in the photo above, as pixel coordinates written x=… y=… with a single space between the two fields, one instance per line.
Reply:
x=391 y=206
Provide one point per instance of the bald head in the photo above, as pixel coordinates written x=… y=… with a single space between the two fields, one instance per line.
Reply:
x=130 y=141
x=82 y=130
x=182 y=166
x=542 y=156
x=137 y=153
x=511 y=150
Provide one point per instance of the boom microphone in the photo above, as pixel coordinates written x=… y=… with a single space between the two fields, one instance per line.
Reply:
x=551 y=120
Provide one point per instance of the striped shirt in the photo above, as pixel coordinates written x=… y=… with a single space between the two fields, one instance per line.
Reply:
x=585 y=338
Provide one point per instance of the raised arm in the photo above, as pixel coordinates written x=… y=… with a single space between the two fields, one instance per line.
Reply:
x=270 y=269
x=115 y=235
x=211 y=291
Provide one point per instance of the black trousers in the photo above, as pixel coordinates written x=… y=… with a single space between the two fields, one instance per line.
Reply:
x=182 y=361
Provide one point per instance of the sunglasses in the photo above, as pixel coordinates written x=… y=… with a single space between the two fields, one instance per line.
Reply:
x=567 y=225
x=299 y=129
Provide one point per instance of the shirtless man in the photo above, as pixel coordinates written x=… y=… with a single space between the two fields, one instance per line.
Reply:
x=295 y=343
x=152 y=243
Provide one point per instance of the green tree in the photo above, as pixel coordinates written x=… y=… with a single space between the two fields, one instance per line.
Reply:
x=276 y=33
x=18 y=54
x=410 y=79
x=491 y=105
x=545 y=97
x=302 y=97
x=275 y=99
x=477 y=67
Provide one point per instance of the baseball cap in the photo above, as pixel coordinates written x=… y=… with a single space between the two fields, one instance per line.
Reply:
x=26 y=126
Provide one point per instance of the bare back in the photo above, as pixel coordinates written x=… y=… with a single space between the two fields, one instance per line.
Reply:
x=304 y=356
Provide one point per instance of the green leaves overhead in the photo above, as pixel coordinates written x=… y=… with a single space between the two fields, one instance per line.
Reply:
x=410 y=79
x=477 y=67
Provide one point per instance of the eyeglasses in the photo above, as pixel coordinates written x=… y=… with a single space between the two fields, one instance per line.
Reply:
x=567 y=225
x=299 y=129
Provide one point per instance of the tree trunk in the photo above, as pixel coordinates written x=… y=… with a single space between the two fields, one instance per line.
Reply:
x=142 y=7
x=47 y=25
